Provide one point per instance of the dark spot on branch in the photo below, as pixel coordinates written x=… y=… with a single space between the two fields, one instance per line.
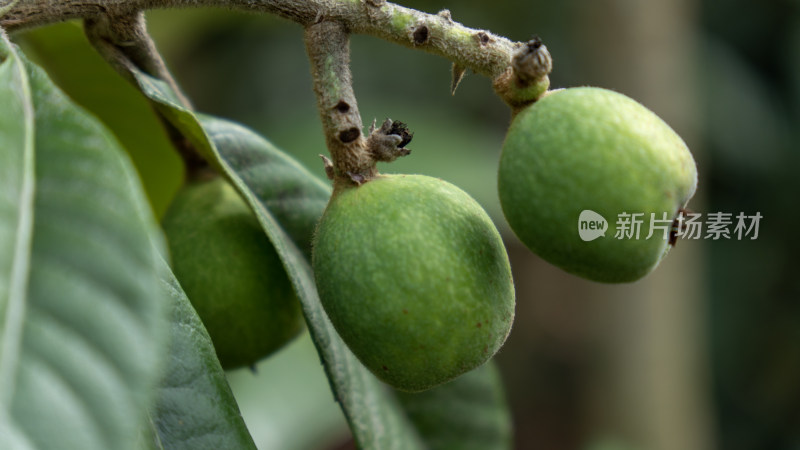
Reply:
x=482 y=37
x=401 y=129
x=421 y=35
x=349 y=135
x=386 y=143
x=531 y=62
x=342 y=106
x=534 y=43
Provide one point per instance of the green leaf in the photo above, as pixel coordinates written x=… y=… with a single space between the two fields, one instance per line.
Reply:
x=287 y=207
x=291 y=195
x=16 y=224
x=63 y=51
x=195 y=408
x=291 y=376
x=468 y=413
x=81 y=310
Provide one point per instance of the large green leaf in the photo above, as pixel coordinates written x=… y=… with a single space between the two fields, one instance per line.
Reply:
x=468 y=413
x=16 y=223
x=82 y=319
x=287 y=201
x=195 y=408
x=63 y=51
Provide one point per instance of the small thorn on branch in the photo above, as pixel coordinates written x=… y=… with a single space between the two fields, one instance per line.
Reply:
x=388 y=142
x=458 y=72
x=328 y=165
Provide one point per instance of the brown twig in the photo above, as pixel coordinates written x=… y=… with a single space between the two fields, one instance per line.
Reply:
x=478 y=50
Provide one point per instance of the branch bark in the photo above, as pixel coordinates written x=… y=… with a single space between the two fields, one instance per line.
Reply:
x=479 y=50
x=519 y=70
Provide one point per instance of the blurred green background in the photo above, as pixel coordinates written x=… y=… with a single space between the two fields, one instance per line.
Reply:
x=702 y=354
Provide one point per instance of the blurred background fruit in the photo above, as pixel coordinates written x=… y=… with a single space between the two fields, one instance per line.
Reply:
x=230 y=272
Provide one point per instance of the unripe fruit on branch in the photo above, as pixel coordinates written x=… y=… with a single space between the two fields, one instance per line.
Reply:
x=231 y=273
x=592 y=149
x=414 y=277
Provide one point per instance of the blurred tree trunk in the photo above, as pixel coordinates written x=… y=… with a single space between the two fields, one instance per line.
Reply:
x=595 y=366
x=654 y=386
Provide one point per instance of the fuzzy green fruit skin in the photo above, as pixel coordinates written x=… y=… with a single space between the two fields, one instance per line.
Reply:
x=415 y=279
x=231 y=273
x=591 y=148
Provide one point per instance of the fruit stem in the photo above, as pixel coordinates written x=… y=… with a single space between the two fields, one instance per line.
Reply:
x=328 y=48
x=527 y=78
x=123 y=41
